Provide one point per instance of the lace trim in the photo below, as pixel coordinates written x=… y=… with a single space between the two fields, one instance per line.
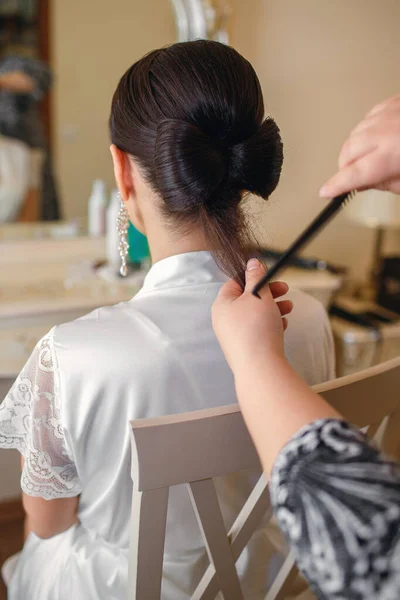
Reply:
x=30 y=422
x=338 y=502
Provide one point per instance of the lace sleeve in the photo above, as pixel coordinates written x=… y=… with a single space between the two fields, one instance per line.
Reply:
x=337 y=500
x=30 y=422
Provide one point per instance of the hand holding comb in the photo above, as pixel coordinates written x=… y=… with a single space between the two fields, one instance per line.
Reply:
x=308 y=234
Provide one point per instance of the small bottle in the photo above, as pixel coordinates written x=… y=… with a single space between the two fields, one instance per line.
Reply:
x=97 y=209
x=112 y=237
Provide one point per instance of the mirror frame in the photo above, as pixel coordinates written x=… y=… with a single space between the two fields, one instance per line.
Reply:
x=204 y=19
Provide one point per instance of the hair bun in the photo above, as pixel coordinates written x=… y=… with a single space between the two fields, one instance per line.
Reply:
x=256 y=163
x=189 y=166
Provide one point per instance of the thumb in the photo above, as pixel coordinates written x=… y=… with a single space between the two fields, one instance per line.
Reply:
x=254 y=271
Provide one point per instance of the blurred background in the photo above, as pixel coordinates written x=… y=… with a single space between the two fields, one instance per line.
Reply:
x=322 y=64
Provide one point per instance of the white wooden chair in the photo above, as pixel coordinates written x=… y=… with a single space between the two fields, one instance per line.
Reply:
x=216 y=443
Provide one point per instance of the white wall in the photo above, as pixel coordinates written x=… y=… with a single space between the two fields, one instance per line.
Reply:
x=322 y=64
x=94 y=42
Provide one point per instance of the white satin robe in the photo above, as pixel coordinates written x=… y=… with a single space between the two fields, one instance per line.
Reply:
x=68 y=414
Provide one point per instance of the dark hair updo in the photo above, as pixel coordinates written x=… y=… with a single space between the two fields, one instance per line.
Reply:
x=191 y=116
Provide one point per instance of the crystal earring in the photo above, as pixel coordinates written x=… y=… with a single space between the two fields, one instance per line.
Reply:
x=122 y=226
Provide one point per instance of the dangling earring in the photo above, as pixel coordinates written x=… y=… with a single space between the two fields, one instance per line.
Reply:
x=122 y=226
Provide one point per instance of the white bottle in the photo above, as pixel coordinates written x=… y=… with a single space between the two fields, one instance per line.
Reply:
x=97 y=209
x=112 y=237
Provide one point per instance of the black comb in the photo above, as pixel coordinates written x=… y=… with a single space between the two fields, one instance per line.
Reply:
x=308 y=234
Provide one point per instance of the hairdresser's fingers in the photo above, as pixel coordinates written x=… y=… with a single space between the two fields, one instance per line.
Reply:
x=278 y=289
x=285 y=323
x=368 y=124
x=375 y=116
x=369 y=120
x=229 y=292
x=255 y=270
x=379 y=169
x=393 y=185
x=285 y=307
x=392 y=102
x=356 y=147
x=379 y=124
x=361 y=174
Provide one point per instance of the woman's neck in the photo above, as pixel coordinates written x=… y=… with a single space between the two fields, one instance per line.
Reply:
x=164 y=243
x=165 y=239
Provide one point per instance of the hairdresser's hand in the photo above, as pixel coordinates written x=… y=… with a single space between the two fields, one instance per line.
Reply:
x=249 y=329
x=370 y=158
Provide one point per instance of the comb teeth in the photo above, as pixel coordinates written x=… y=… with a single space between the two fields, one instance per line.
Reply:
x=315 y=226
x=348 y=197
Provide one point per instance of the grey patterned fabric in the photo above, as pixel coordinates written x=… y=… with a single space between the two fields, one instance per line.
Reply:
x=337 y=500
x=20 y=119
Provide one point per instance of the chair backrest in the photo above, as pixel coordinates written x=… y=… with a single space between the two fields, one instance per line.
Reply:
x=216 y=442
x=370 y=399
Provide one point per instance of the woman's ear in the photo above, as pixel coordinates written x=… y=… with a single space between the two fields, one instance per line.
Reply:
x=123 y=171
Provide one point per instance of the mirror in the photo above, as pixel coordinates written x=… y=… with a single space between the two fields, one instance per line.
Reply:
x=59 y=65
x=202 y=19
x=27 y=190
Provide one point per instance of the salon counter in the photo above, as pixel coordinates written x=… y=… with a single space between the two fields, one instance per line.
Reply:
x=47 y=282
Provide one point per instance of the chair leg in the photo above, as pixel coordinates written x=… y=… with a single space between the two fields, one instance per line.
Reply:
x=149 y=514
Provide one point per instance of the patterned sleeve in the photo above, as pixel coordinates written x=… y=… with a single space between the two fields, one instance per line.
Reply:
x=36 y=69
x=30 y=421
x=337 y=500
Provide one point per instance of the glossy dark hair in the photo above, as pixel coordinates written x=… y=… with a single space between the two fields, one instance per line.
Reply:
x=191 y=116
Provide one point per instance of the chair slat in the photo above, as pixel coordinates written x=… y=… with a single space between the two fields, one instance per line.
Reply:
x=219 y=436
x=256 y=507
x=284 y=580
x=391 y=437
x=209 y=516
x=146 y=554
x=366 y=397
x=373 y=429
